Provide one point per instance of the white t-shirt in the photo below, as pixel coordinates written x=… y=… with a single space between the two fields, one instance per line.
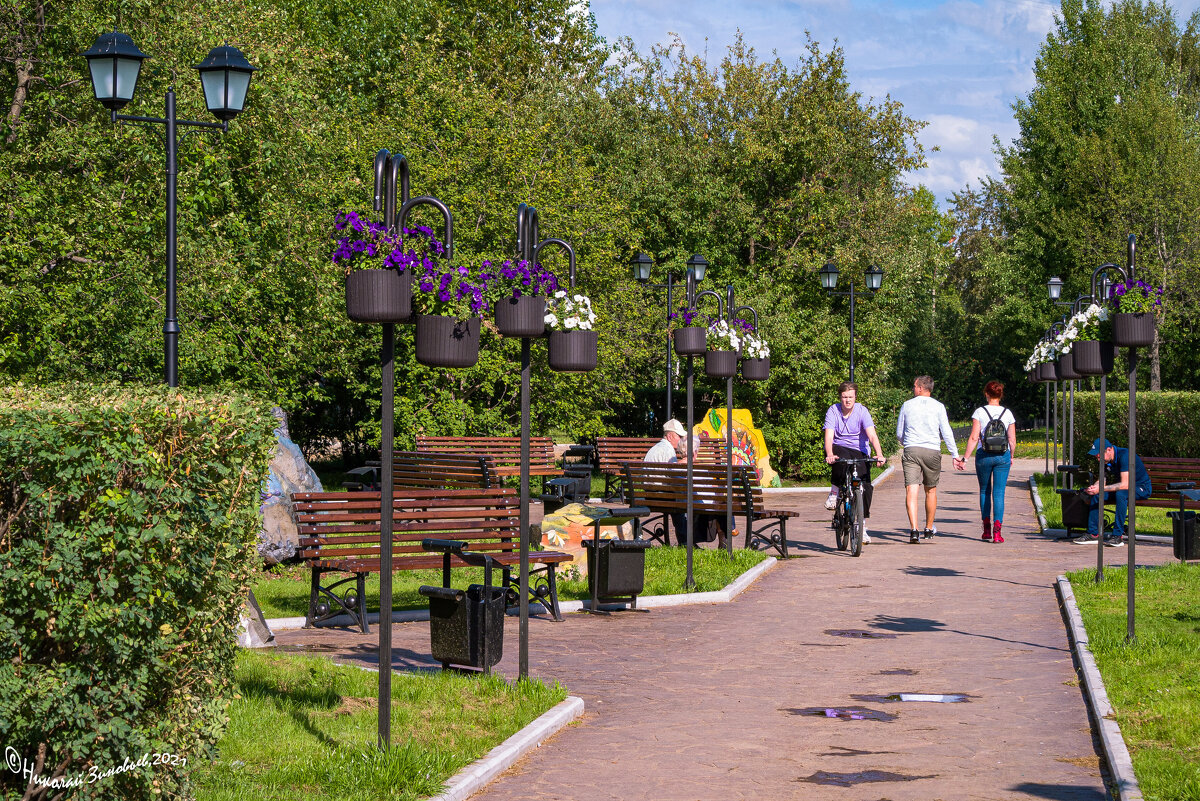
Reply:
x=984 y=414
x=663 y=452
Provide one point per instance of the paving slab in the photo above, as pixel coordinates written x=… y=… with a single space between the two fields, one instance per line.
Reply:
x=774 y=696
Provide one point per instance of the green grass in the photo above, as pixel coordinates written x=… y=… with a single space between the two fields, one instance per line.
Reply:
x=1150 y=520
x=1152 y=683
x=302 y=727
x=1031 y=444
x=282 y=591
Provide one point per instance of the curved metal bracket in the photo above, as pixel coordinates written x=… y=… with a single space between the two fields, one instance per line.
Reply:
x=390 y=169
x=720 y=304
x=1108 y=266
x=527 y=231
x=733 y=315
x=425 y=200
x=570 y=256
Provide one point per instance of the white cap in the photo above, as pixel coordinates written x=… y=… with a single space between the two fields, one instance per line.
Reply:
x=675 y=427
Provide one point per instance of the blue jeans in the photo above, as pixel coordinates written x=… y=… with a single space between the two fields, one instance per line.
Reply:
x=1120 y=499
x=992 y=473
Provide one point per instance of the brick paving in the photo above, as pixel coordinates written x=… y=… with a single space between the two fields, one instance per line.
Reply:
x=728 y=701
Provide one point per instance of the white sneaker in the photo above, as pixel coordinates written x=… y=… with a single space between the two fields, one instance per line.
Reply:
x=866 y=537
x=831 y=501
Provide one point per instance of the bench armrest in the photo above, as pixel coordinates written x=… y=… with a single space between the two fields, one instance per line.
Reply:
x=1180 y=485
x=443 y=546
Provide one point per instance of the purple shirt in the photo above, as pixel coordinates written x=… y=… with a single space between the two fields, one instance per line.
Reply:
x=850 y=431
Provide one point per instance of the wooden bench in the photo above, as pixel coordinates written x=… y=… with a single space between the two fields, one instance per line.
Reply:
x=1166 y=469
x=339 y=535
x=662 y=488
x=444 y=470
x=613 y=452
x=504 y=451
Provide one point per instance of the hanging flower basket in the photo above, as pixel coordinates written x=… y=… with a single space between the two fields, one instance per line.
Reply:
x=756 y=369
x=689 y=341
x=1047 y=371
x=1066 y=367
x=1093 y=358
x=721 y=363
x=522 y=316
x=1134 y=330
x=572 y=351
x=447 y=342
x=378 y=296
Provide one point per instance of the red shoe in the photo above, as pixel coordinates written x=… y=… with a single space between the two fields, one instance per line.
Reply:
x=996 y=536
x=987 y=530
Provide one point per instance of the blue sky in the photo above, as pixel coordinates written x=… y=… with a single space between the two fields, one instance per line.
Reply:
x=956 y=64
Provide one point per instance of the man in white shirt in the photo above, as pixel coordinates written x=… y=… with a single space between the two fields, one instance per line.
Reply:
x=921 y=428
x=665 y=450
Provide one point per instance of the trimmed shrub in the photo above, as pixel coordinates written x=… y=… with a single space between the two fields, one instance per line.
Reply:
x=1168 y=422
x=128 y=519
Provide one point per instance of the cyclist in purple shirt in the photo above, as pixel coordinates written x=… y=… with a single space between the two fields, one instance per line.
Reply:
x=850 y=434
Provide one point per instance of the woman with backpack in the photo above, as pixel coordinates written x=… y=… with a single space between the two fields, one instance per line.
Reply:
x=994 y=428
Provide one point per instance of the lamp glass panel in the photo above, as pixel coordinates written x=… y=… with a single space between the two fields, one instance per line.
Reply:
x=239 y=84
x=214 y=89
x=698 y=268
x=127 y=75
x=828 y=278
x=102 y=77
x=874 y=279
x=1055 y=286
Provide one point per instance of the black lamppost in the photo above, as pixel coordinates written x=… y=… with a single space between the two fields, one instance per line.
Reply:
x=696 y=267
x=829 y=279
x=114 y=62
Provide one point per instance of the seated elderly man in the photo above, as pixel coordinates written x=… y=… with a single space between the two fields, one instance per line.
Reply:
x=666 y=449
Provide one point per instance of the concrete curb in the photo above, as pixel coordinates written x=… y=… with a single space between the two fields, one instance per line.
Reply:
x=479 y=773
x=1115 y=751
x=735 y=588
x=1041 y=516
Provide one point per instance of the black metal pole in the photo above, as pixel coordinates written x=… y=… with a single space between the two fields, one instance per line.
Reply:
x=1131 y=527
x=1055 y=456
x=852 y=331
x=523 y=648
x=1103 y=473
x=1071 y=432
x=387 y=364
x=670 y=374
x=171 y=324
x=729 y=461
x=1046 y=423
x=689 y=523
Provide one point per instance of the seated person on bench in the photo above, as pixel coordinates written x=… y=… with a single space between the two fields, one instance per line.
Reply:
x=1116 y=490
x=666 y=451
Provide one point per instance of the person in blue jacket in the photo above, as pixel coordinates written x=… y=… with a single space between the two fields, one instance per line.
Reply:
x=1115 y=484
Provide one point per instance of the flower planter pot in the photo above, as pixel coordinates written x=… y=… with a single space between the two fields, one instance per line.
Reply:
x=756 y=369
x=690 y=341
x=378 y=296
x=1047 y=371
x=572 y=351
x=1093 y=358
x=524 y=316
x=1066 y=366
x=1134 y=330
x=447 y=342
x=720 y=363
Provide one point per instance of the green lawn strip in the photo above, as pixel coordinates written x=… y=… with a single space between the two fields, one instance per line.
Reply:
x=1150 y=520
x=304 y=727
x=1153 y=683
x=283 y=591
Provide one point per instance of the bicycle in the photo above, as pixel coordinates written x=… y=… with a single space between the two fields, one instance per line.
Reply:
x=848 y=521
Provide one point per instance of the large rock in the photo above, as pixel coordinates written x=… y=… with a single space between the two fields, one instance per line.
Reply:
x=289 y=472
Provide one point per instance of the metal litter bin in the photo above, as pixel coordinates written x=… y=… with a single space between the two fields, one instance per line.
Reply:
x=1183 y=529
x=466 y=627
x=618 y=571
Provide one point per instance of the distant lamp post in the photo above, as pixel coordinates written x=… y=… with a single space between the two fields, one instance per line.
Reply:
x=642 y=266
x=1055 y=285
x=829 y=279
x=115 y=62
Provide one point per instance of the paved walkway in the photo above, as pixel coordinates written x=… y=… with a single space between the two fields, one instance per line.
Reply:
x=729 y=701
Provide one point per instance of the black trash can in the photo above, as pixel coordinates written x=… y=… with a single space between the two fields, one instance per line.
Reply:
x=466 y=627
x=620 y=571
x=1183 y=527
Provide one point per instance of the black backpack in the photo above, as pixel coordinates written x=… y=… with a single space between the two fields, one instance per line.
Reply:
x=994 y=439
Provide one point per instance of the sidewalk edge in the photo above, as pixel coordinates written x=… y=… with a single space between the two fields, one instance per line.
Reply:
x=1119 y=762
x=481 y=772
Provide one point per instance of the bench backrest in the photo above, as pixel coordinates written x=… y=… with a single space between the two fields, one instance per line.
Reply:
x=505 y=451
x=444 y=470
x=335 y=525
x=613 y=452
x=663 y=487
x=1163 y=469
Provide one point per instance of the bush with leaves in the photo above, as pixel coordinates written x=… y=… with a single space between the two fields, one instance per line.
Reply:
x=128 y=518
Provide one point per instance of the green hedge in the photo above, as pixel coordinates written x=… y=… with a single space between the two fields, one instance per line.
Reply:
x=1168 y=422
x=128 y=518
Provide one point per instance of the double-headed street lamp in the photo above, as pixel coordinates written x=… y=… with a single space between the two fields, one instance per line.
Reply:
x=696 y=268
x=115 y=62
x=829 y=280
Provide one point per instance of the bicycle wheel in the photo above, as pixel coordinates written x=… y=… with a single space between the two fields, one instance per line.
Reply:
x=842 y=527
x=857 y=524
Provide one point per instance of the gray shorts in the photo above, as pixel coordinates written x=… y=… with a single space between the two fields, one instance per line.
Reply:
x=922 y=466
